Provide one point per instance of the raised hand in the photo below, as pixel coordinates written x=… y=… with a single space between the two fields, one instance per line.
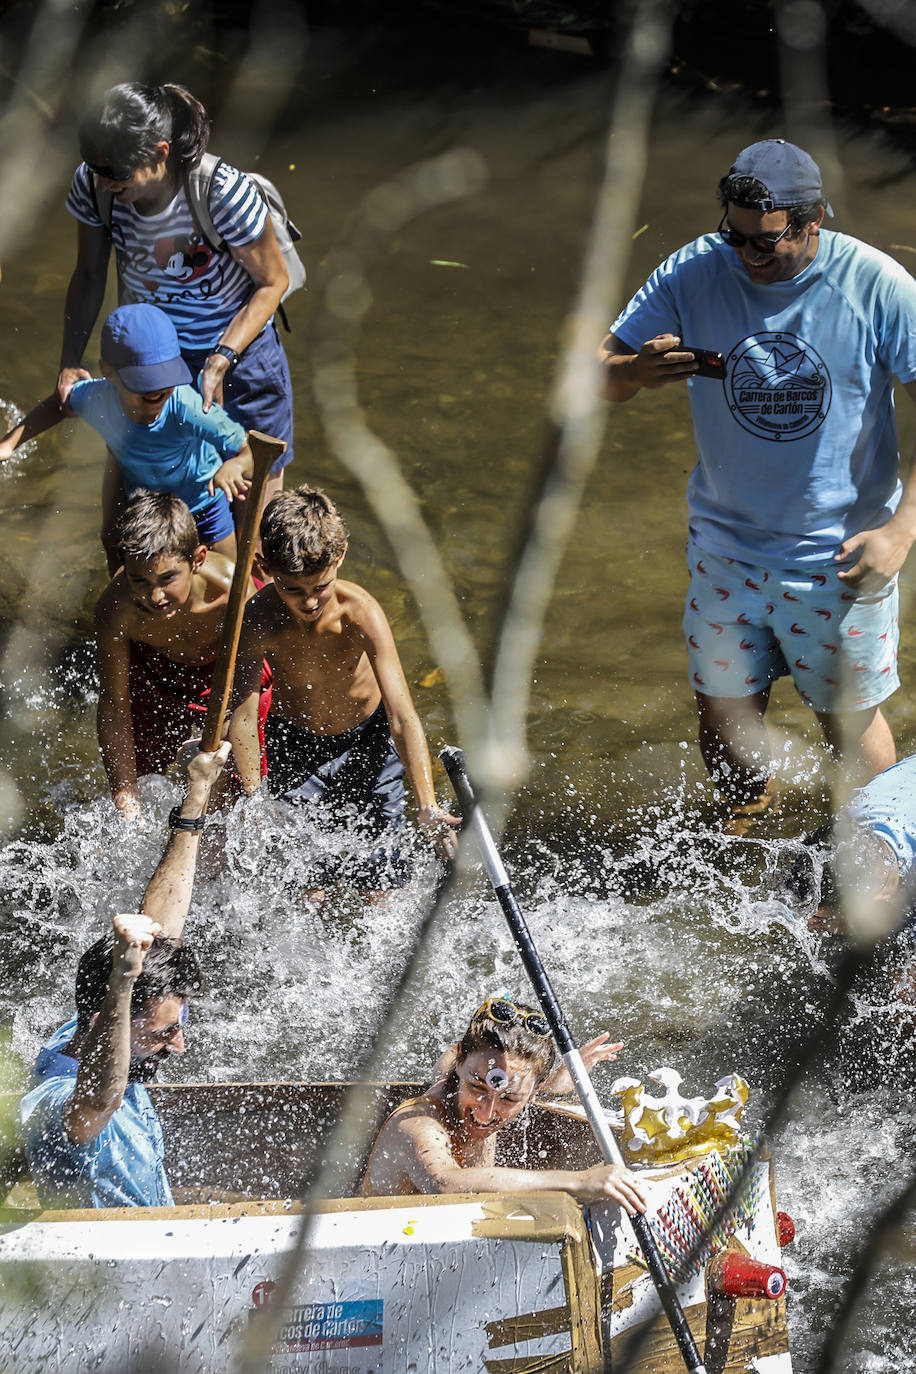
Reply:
x=134 y=933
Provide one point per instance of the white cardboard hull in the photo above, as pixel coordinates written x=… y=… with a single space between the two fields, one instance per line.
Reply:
x=508 y=1285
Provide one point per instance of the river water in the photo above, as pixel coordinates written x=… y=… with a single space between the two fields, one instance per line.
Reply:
x=649 y=924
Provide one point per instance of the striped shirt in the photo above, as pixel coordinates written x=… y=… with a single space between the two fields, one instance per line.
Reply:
x=162 y=260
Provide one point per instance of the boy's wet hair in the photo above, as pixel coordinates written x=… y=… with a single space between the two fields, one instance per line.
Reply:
x=302 y=532
x=170 y=969
x=485 y=1034
x=156 y=524
x=122 y=130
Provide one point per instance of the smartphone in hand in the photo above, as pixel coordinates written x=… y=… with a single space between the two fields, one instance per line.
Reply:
x=709 y=363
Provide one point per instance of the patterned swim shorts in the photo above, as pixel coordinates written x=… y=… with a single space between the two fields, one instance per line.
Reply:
x=746 y=626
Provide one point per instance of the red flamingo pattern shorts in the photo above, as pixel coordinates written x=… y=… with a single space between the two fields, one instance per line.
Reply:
x=746 y=626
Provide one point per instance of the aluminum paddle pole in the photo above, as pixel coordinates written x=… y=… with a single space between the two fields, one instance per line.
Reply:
x=453 y=759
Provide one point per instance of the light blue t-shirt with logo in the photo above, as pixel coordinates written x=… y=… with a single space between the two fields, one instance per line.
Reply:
x=797 y=448
x=179 y=452
x=122 y=1167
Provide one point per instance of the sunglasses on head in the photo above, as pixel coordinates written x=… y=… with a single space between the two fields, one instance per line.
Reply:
x=506 y=1013
x=764 y=243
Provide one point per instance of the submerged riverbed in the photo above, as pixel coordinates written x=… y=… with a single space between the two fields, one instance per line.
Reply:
x=648 y=923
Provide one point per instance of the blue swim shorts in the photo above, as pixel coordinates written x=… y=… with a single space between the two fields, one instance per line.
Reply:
x=258 y=393
x=214 y=520
x=746 y=626
x=353 y=780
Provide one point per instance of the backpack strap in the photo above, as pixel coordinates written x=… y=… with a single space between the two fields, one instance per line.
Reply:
x=198 y=183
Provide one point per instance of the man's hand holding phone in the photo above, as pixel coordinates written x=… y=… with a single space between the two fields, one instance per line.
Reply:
x=709 y=363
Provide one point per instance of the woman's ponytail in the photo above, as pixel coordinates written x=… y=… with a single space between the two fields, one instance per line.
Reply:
x=123 y=130
x=190 y=126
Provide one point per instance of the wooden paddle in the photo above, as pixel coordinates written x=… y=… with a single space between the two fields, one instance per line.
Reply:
x=265 y=452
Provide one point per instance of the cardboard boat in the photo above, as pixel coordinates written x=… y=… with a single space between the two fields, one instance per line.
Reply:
x=509 y=1284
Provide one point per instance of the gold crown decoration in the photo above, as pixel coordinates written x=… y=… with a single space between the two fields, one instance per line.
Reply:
x=667 y=1128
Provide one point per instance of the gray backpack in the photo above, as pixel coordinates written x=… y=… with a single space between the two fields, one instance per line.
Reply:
x=198 y=181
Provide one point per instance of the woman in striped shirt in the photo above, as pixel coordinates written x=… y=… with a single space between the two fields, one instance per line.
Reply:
x=129 y=191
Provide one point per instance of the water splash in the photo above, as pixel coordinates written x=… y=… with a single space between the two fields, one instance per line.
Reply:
x=706 y=967
x=11 y=415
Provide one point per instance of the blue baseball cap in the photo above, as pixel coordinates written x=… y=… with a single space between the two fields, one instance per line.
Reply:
x=141 y=344
x=790 y=175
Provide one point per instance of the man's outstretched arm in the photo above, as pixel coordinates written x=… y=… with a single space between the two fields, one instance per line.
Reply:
x=168 y=895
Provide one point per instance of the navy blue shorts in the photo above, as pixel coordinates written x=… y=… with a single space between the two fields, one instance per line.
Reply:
x=214 y=522
x=258 y=393
x=355 y=780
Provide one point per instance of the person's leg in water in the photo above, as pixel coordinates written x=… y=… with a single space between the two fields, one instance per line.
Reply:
x=862 y=743
x=736 y=752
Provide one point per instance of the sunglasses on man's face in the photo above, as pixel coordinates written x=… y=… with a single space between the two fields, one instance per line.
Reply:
x=506 y=1013
x=764 y=243
x=169 y=1032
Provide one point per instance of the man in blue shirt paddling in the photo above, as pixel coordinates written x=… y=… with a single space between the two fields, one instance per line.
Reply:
x=91 y=1134
x=798 y=521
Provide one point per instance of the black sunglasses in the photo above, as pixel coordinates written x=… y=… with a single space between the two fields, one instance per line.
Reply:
x=109 y=173
x=764 y=243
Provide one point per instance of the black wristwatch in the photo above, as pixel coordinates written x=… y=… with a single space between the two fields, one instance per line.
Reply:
x=227 y=352
x=179 y=822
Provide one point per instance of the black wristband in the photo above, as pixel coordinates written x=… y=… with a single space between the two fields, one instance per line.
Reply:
x=179 y=822
x=226 y=352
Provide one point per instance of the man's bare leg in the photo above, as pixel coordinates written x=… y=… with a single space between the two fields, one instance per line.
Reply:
x=734 y=745
x=861 y=741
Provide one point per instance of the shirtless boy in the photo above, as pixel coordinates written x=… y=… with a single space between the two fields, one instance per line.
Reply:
x=445 y=1141
x=343 y=729
x=158 y=625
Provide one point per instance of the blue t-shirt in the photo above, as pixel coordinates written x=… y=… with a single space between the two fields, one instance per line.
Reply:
x=122 y=1167
x=797 y=448
x=887 y=807
x=179 y=452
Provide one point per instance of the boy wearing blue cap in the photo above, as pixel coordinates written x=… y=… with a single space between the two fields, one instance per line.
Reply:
x=159 y=436
x=798 y=519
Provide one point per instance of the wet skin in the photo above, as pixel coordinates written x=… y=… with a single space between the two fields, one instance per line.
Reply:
x=158 y=1030
x=159 y=586
x=305 y=595
x=482 y=1110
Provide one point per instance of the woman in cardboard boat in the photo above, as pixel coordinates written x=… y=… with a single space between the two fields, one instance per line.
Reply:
x=445 y=1141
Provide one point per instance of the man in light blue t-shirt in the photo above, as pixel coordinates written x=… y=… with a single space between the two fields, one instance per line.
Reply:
x=90 y=1131
x=797 y=519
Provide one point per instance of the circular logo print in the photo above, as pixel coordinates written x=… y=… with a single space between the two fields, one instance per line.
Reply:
x=777 y=386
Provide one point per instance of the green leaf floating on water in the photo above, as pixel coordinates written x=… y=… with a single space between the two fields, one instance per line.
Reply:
x=441 y=262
